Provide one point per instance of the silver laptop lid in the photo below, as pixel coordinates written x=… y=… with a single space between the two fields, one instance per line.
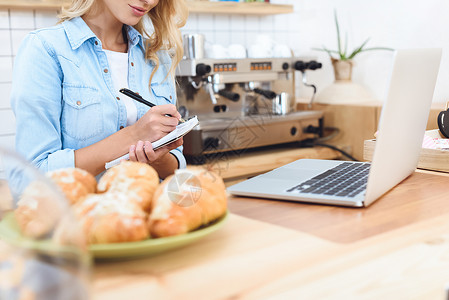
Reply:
x=403 y=119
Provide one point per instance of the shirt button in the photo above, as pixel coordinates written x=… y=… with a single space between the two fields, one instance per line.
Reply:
x=118 y=98
x=171 y=97
x=96 y=42
x=132 y=64
x=105 y=70
x=121 y=127
x=78 y=102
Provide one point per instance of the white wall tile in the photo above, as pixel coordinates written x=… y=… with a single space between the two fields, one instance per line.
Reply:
x=237 y=22
x=293 y=40
x=266 y=24
x=7 y=122
x=188 y=32
x=45 y=18
x=209 y=37
x=5 y=69
x=223 y=38
x=293 y=21
x=5 y=45
x=17 y=37
x=4 y=19
x=205 y=22
x=238 y=37
x=221 y=22
x=5 y=89
x=282 y=38
x=192 y=23
x=22 y=19
x=8 y=141
x=251 y=23
x=281 y=22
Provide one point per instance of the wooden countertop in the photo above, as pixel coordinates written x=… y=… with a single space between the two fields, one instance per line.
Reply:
x=395 y=249
x=346 y=225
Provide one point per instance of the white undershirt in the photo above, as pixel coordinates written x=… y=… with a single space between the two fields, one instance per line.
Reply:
x=118 y=66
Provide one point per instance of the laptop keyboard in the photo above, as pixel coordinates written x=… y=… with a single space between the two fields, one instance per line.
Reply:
x=347 y=179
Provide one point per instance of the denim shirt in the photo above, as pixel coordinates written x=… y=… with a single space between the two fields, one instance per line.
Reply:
x=63 y=95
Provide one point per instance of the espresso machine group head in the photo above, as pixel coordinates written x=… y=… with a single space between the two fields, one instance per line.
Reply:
x=256 y=96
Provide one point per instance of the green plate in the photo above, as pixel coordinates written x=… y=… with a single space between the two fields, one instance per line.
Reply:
x=10 y=232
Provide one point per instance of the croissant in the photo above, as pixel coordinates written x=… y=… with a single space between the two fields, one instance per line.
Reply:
x=111 y=218
x=38 y=210
x=136 y=180
x=75 y=183
x=184 y=201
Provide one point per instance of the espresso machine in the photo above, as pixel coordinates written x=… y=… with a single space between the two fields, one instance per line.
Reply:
x=242 y=104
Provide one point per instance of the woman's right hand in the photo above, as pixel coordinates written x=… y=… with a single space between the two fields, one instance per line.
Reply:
x=155 y=123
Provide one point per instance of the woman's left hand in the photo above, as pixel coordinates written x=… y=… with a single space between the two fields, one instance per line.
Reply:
x=143 y=151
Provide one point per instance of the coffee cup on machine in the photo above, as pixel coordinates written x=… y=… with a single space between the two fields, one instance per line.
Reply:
x=237 y=51
x=259 y=51
x=217 y=51
x=281 y=50
x=281 y=104
x=193 y=46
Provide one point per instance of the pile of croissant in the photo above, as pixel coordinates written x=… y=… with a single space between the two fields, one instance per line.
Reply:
x=127 y=204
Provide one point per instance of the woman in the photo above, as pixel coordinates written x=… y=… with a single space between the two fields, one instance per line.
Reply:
x=69 y=112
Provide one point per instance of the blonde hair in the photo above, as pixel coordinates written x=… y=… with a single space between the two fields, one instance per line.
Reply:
x=168 y=16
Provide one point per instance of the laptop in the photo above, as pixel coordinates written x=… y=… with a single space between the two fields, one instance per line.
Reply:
x=401 y=131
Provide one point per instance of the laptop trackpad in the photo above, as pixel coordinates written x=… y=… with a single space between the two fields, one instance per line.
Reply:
x=290 y=174
x=302 y=169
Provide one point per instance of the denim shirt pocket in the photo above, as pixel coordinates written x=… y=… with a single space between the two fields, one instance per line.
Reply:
x=82 y=115
x=163 y=92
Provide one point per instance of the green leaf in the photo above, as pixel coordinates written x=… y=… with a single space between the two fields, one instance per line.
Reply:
x=378 y=48
x=338 y=31
x=358 y=50
x=374 y=48
x=346 y=43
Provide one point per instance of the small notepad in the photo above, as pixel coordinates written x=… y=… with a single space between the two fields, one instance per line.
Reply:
x=180 y=130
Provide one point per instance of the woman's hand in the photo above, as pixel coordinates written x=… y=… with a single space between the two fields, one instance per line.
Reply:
x=155 y=123
x=143 y=152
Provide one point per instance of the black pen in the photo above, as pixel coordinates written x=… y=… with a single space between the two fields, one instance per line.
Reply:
x=139 y=98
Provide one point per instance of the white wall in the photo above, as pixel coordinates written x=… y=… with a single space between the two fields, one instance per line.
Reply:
x=391 y=23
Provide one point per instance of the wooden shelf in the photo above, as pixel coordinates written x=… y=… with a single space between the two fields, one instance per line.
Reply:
x=200 y=7
x=253 y=8
x=32 y=4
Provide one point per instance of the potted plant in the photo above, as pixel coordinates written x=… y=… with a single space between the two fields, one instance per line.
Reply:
x=342 y=59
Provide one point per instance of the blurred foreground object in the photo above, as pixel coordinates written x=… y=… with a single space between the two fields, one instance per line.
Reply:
x=34 y=262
